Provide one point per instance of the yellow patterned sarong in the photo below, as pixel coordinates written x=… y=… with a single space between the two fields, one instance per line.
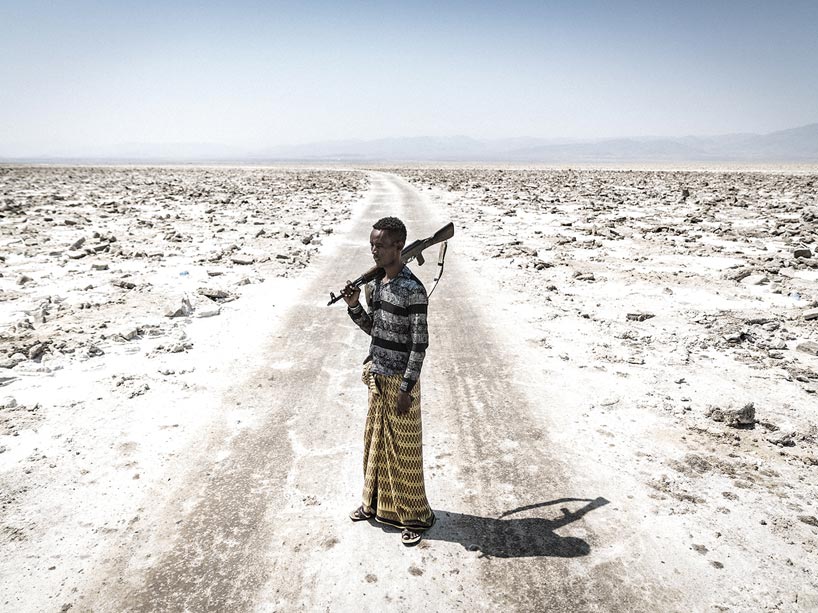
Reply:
x=393 y=456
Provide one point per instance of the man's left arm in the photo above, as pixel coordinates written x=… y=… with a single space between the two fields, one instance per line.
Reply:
x=419 y=335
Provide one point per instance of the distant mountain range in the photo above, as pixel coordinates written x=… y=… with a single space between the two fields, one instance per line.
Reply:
x=794 y=145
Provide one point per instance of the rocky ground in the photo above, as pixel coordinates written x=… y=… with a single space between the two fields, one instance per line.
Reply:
x=746 y=242
x=98 y=257
x=621 y=408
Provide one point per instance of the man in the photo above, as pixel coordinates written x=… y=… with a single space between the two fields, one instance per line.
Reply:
x=394 y=491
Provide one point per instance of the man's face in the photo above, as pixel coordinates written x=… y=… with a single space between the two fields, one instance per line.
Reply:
x=385 y=252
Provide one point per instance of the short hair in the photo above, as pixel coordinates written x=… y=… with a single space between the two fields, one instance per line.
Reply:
x=394 y=226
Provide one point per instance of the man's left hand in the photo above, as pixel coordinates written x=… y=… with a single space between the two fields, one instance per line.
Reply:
x=404 y=402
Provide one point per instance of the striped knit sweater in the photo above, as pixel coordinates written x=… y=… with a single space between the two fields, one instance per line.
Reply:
x=396 y=321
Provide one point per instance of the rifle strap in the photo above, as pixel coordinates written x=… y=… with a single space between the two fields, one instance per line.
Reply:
x=440 y=261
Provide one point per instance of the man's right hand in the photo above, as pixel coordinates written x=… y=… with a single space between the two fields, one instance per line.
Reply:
x=351 y=294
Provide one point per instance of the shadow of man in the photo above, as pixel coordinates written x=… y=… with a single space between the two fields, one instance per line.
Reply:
x=515 y=538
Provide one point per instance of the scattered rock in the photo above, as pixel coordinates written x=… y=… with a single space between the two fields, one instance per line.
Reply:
x=741 y=274
x=213 y=294
x=756 y=280
x=183 y=309
x=8 y=403
x=77 y=254
x=782 y=439
x=802 y=253
x=758 y=321
x=809 y=347
x=177 y=347
x=735 y=337
x=810 y=520
x=129 y=333
x=242 y=260
x=13 y=360
x=92 y=351
x=139 y=390
x=207 y=311
x=811 y=314
x=23 y=279
x=77 y=244
x=745 y=416
x=639 y=316
x=35 y=351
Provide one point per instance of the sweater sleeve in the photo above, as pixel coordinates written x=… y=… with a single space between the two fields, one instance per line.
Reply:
x=419 y=333
x=362 y=318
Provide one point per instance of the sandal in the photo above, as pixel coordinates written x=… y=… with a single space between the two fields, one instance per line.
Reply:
x=359 y=514
x=410 y=537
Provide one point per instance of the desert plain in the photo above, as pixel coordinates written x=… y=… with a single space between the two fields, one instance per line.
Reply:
x=620 y=394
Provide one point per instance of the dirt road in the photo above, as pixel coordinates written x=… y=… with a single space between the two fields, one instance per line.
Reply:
x=526 y=519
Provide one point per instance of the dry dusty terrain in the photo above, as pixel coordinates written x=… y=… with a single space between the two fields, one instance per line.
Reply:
x=620 y=400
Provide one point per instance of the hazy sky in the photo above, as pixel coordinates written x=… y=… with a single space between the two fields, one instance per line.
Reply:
x=81 y=74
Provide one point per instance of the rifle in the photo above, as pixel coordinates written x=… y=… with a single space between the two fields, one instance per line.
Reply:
x=413 y=251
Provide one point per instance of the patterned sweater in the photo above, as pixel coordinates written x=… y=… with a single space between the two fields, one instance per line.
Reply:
x=396 y=321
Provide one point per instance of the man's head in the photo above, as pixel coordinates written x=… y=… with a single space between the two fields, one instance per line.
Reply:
x=386 y=241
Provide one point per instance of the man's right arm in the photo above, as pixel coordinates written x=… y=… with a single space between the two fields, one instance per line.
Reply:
x=356 y=311
x=361 y=317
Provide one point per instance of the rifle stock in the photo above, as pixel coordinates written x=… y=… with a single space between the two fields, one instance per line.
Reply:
x=413 y=251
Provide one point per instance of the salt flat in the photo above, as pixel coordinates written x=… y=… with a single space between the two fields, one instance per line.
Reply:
x=182 y=421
